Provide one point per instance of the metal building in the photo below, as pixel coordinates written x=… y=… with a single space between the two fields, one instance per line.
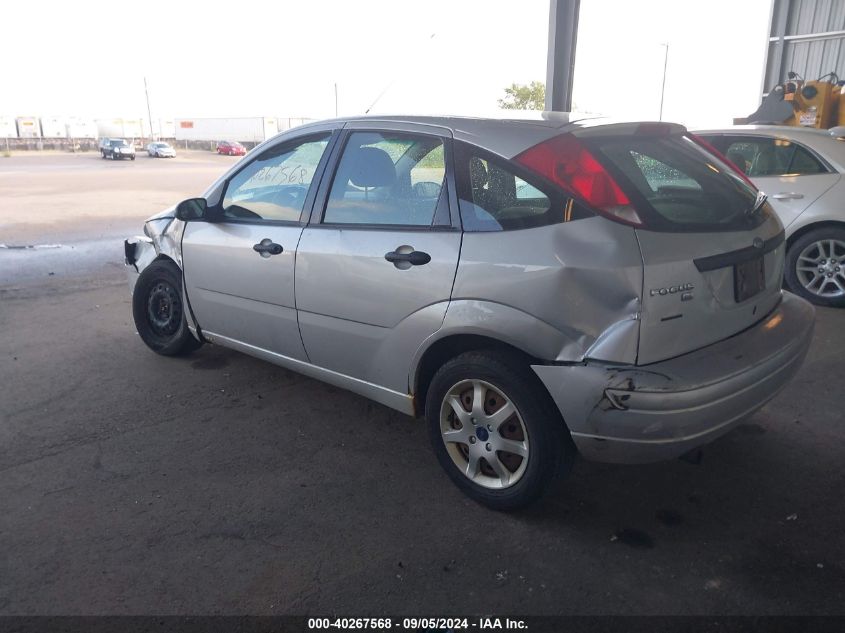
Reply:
x=807 y=37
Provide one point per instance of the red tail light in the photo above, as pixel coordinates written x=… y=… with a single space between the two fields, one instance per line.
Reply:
x=568 y=163
x=707 y=146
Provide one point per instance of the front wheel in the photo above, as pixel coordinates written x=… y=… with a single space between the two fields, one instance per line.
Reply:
x=495 y=431
x=158 y=310
x=815 y=266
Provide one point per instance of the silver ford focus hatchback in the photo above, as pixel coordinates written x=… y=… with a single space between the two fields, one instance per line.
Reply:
x=534 y=287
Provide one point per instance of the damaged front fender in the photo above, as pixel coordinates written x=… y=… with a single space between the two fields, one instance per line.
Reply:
x=162 y=239
x=139 y=252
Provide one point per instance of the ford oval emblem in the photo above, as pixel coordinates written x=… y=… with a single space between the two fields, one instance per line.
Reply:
x=757 y=243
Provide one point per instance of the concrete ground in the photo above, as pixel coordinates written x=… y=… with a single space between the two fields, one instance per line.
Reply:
x=136 y=484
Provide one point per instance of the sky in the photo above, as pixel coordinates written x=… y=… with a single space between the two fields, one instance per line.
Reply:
x=282 y=58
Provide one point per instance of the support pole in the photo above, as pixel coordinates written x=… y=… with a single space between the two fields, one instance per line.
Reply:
x=663 y=85
x=149 y=113
x=560 y=61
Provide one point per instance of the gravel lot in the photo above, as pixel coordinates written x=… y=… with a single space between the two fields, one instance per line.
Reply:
x=136 y=484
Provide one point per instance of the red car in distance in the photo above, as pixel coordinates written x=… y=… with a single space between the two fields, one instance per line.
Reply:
x=231 y=148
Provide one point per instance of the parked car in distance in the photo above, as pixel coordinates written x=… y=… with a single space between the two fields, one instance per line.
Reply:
x=160 y=149
x=118 y=149
x=801 y=170
x=231 y=148
x=534 y=287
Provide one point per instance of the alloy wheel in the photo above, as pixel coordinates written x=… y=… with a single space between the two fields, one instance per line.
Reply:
x=821 y=268
x=484 y=434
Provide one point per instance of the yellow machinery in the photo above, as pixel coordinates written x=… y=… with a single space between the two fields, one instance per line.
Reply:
x=839 y=97
x=819 y=103
x=815 y=103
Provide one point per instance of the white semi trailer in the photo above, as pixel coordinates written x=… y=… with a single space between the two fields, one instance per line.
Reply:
x=53 y=127
x=78 y=127
x=120 y=128
x=28 y=127
x=8 y=129
x=241 y=129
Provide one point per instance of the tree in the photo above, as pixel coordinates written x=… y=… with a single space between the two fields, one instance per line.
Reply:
x=525 y=97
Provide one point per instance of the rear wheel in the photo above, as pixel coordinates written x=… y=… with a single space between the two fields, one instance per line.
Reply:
x=159 y=312
x=495 y=431
x=815 y=266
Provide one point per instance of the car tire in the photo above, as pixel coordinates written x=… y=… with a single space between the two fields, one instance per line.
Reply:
x=159 y=311
x=131 y=158
x=502 y=480
x=815 y=266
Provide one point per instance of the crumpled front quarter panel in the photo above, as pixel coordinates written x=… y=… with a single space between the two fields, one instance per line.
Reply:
x=580 y=282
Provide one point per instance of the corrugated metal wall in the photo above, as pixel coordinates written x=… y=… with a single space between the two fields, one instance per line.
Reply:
x=806 y=36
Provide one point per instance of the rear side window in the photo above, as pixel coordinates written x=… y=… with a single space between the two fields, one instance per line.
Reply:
x=494 y=197
x=678 y=185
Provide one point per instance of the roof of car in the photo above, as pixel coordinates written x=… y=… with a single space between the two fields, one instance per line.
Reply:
x=782 y=130
x=828 y=146
x=536 y=117
x=505 y=132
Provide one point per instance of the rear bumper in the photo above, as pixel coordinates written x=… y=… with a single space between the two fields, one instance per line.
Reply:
x=639 y=414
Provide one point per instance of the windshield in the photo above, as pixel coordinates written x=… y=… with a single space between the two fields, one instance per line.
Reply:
x=162 y=145
x=679 y=185
x=119 y=144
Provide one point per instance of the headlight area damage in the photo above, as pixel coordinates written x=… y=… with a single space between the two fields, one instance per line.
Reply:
x=162 y=237
x=160 y=308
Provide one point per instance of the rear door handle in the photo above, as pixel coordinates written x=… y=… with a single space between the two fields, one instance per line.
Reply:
x=414 y=258
x=267 y=247
x=788 y=195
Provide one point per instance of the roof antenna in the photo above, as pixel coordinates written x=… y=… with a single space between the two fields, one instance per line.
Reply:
x=390 y=85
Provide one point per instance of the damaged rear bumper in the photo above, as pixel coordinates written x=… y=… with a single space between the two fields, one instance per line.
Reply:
x=639 y=414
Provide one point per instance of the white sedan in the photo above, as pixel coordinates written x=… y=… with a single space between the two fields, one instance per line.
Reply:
x=159 y=149
x=800 y=169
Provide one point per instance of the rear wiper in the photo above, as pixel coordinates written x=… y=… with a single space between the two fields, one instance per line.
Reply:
x=759 y=202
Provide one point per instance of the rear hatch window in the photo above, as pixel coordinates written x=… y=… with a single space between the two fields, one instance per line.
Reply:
x=677 y=186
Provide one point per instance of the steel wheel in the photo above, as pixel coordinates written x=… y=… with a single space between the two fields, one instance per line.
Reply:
x=158 y=311
x=821 y=268
x=164 y=309
x=484 y=434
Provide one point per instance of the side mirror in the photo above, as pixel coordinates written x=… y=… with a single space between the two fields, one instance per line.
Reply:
x=191 y=209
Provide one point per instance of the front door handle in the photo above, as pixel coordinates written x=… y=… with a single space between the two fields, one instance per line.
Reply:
x=267 y=247
x=788 y=195
x=414 y=258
